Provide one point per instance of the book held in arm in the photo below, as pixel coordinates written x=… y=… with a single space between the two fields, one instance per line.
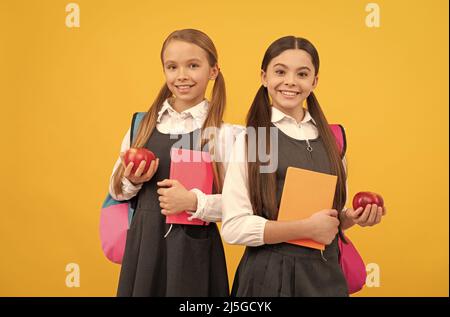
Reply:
x=193 y=169
x=304 y=193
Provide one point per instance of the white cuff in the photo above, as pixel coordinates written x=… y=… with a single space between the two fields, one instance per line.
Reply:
x=128 y=186
x=201 y=203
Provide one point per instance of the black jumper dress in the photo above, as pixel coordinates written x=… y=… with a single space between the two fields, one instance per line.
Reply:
x=284 y=269
x=189 y=262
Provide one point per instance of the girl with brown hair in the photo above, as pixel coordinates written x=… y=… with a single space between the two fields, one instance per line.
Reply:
x=298 y=137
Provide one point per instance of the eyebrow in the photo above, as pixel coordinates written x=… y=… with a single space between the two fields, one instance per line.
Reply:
x=188 y=61
x=300 y=68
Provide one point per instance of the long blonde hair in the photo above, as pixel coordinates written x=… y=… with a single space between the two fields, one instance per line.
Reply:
x=215 y=113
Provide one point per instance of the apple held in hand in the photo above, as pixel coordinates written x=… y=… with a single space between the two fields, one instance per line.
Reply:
x=361 y=199
x=137 y=155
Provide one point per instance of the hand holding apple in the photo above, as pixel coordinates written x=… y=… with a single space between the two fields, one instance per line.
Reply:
x=140 y=165
x=367 y=217
x=137 y=155
x=361 y=199
x=368 y=209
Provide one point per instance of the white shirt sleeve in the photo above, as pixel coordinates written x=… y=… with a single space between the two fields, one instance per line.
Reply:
x=209 y=207
x=128 y=189
x=239 y=224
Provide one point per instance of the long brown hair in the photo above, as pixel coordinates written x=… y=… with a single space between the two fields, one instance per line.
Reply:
x=216 y=105
x=263 y=185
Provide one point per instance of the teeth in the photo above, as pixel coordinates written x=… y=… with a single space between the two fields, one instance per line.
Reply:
x=184 y=87
x=289 y=93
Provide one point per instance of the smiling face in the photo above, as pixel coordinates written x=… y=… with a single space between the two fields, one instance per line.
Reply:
x=290 y=78
x=187 y=73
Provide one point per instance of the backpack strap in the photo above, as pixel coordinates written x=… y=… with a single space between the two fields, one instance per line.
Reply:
x=135 y=121
x=341 y=139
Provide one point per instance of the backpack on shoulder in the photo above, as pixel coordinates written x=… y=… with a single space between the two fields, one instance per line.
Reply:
x=116 y=216
x=350 y=260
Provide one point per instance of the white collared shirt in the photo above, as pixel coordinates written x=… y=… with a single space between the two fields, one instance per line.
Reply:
x=239 y=224
x=169 y=121
x=306 y=129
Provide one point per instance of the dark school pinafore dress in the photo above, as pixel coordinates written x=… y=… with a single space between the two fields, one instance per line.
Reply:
x=284 y=269
x=189 y=262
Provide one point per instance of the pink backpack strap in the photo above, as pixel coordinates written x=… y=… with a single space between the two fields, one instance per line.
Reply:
x=341 y=140
x=350 y=260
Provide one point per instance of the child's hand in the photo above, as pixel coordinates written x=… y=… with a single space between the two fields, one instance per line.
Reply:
x=324 y=226
x=369 y=216
x=175 y=198
x=138 y=177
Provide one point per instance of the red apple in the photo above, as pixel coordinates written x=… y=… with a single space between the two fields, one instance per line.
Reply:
x=137 y=155
x=362 y=199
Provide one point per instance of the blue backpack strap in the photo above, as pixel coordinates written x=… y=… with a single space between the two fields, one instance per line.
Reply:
x=135 y=122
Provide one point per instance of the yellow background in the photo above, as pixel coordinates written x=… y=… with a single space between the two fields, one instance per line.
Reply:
x=67 y=96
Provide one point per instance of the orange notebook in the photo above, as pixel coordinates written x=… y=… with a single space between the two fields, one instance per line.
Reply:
x=193 y=169
x=304 y=193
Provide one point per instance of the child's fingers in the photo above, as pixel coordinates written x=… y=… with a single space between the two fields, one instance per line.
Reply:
x=365 y=215
x=166 y=183
x=332 y=212
x=162 y=191
x=372 y=215
x=140 y=169
x=163 y=205
x=152 y=169
x=359 y=211
x=379 y=215
x=128 y=170
x=353 y=214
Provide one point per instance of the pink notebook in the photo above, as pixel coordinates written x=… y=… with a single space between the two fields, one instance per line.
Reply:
x=193 y=169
